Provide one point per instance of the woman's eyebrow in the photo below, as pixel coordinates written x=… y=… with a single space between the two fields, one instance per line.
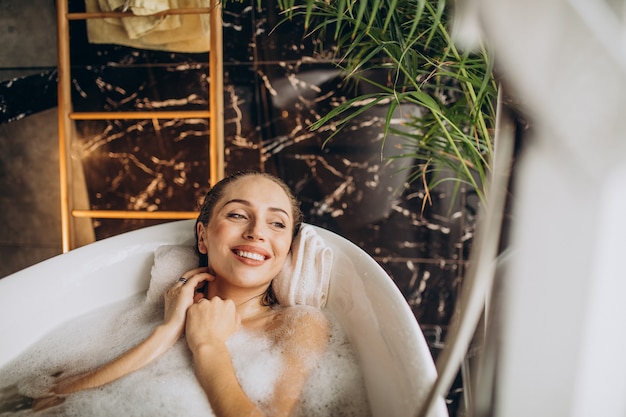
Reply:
x=237 y=200
x=249 y=204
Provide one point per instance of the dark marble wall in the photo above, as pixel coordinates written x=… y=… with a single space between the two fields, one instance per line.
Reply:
x=276 y=85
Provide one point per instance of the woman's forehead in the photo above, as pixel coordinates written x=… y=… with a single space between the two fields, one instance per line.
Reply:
x=258 y=190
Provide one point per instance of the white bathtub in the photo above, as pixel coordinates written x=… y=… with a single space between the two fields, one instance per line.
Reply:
x=397 y=364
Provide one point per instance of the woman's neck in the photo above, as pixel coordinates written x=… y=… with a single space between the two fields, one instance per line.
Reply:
x=252 y=308
x=248 y=306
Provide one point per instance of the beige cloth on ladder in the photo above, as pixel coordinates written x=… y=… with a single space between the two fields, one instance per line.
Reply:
x=176 y=33
x=136 y=27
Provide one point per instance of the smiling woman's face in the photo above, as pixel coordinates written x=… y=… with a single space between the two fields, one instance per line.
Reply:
x=249 y=234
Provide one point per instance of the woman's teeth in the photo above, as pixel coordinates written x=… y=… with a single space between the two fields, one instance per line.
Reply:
x=251 y=255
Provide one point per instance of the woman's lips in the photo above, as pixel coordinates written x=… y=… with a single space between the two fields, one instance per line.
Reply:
x=250 y=255
x=251 y=252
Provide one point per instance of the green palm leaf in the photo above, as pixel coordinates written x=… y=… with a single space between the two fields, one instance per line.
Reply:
x=409 y=40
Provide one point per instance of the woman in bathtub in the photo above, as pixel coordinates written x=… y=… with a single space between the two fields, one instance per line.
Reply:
x=244 y=234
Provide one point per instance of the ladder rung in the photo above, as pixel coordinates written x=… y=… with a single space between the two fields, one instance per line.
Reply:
x=127 y=214
x=138 y=115
x=100 y=15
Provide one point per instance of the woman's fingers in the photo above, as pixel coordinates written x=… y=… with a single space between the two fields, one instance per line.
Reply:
x=198 y=296
x=198 y=281
x=46 y=402
x=210 y=321
x=190 y=282
x=195 y=277
x=187 y=290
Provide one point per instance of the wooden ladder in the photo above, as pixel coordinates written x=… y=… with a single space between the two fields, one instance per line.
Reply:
x=66 y=117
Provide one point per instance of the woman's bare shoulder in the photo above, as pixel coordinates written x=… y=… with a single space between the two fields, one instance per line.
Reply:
x=297 y=317
x=300 y=327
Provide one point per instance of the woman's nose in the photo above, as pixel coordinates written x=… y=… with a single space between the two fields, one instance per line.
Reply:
x=254 y=231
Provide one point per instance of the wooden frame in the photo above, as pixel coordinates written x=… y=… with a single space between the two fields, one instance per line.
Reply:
x=66 y=117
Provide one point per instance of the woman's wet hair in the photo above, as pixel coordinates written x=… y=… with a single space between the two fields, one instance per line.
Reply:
x=217 y=192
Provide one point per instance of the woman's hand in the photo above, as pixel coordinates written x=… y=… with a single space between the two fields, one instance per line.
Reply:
x=211 y=322
x=181 y=296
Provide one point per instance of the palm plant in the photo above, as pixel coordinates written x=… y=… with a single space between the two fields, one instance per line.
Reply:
x=455 y=90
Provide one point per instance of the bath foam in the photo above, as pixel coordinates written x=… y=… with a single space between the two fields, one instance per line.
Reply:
x=335 y=386
x=168 y=385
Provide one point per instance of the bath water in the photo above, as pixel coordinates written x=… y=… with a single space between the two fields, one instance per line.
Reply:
x=168 y=385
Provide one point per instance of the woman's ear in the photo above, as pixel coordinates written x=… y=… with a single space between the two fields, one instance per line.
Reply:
x=202 y=243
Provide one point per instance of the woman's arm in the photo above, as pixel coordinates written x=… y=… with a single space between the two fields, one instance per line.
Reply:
x=303 y=345
x=301 y=349
x=157 y=343
x=209 y=325
x=177 y=300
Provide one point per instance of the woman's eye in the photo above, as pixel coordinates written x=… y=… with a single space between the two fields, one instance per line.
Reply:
x=279 y=225
x=235 y=216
